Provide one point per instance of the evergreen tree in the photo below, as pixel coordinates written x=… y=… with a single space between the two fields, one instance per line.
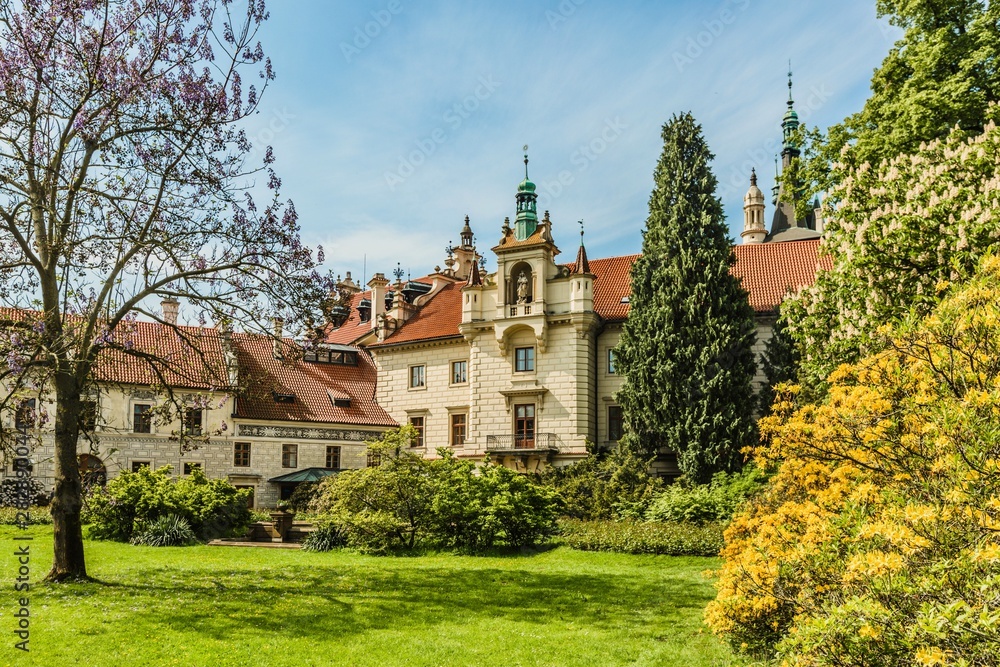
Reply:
x=685 y=348
x=780 y=363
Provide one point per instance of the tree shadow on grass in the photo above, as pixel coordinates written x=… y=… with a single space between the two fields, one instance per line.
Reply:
x=335 y=602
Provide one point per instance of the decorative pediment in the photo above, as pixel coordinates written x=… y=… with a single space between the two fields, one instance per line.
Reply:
x=524 y=391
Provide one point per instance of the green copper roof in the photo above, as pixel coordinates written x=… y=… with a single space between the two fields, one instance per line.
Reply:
x=527 y=216
x=304 y=475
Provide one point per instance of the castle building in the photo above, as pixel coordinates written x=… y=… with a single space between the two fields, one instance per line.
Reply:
x=515 y=365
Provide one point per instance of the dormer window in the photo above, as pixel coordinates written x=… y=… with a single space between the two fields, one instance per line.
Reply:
x=283 y=397
x=341 y=356
x=342 y=402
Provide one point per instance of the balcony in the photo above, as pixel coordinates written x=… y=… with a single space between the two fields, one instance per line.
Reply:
x=521 y=444
x=522 y=309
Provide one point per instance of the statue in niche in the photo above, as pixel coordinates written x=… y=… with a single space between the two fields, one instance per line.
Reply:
x=522 y=288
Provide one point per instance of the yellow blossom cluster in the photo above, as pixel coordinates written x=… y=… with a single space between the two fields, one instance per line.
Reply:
x=877 y=540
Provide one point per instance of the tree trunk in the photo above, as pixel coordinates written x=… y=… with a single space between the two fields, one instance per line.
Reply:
x=68 y=499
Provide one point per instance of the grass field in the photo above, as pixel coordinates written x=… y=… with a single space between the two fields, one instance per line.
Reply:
x=247 y=606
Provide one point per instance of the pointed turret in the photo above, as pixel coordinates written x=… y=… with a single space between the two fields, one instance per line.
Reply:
x=581 y=293
x=465 y=255
x=789 y=125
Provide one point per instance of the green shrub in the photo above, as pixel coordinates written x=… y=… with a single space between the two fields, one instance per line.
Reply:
x=702 y=503
x=638 y=537
x=302 y=496
x=259 y=515
x=133 y=500
x=36 y=516
x=327 y=537
x=165 y=531
x=410 y=502
x=611 y=485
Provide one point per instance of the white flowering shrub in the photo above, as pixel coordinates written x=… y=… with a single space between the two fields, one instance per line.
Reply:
x=897 y=234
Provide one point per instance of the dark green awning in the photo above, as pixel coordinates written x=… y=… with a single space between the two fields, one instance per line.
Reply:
x=304 y=475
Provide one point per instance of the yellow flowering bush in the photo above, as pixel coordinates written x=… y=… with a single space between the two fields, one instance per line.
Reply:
x=877 y=541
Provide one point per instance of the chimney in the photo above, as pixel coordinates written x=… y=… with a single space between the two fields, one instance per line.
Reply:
x=378 y=283
x=171 y=308
x=276 y=343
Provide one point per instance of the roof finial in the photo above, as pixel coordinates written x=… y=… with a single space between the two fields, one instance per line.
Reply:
x=581 y=231
x=526 y=161
x=789 y=82
x=753 y=176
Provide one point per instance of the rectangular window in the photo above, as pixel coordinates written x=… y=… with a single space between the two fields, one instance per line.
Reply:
x=241 y=454
x=614 y=423
x=611 y=362
x=139 y=465
x=524 y=359
x=458 y=426
x=417 y=377
x=192 y=421
x=24 y=418
x=459 y=372
x=189 y=467
x=88 y=416
x=289 y=456
x=142 y=418
x=333 y=457
x=373 y=460
x=418 y=424
x=524 y=426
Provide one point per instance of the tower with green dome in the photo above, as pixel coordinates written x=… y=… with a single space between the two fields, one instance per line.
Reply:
x=527 y=213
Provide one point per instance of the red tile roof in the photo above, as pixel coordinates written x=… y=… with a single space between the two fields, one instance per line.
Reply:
x=770 y=271
x=436 y=319
x=155 y=354
x=353 y=328
x=152 y=354
x=314 y=386
x=612 y=282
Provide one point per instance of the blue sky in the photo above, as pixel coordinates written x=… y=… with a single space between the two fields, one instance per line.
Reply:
x=392 y=120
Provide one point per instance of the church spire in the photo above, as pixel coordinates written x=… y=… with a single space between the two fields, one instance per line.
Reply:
x=527 y=214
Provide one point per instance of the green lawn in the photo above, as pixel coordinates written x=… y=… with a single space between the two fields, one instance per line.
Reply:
x=268 y=607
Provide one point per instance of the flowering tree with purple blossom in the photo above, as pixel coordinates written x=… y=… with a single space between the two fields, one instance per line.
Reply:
x=125 y=178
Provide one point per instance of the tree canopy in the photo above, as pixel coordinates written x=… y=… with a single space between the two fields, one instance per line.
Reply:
x=685 y=350
x=125 y=178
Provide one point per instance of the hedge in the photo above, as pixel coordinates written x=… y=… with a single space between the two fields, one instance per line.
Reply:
x=637 y=537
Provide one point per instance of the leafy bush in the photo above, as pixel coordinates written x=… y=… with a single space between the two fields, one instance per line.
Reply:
x=643 y=537
x=133 y=500
x=702 y=503
x=408 y=502
x=605 y=486
x=13 y=490
x=327 y=537
x=878 y=539
x=259 y=515
x=302 y=496
x=36 y=516
x=165 y=531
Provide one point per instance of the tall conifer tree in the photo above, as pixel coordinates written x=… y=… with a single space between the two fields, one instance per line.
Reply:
x=685 y=349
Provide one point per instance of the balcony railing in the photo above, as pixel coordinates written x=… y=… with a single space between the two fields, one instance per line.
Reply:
x=546 y=442
x=523 y=309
